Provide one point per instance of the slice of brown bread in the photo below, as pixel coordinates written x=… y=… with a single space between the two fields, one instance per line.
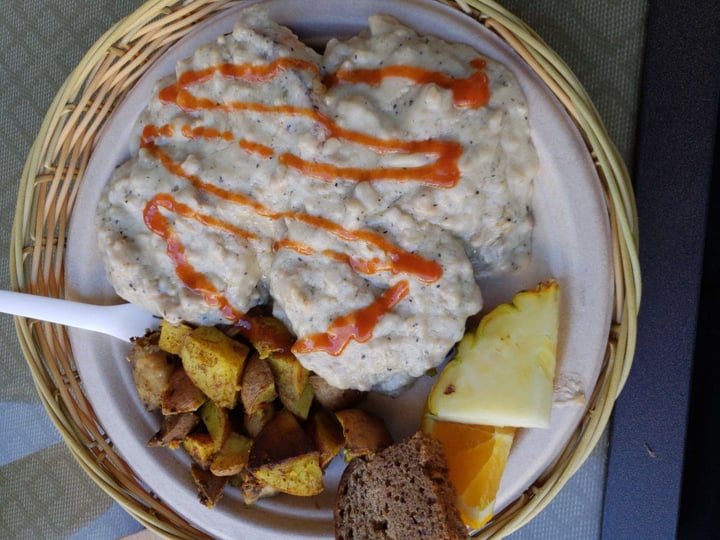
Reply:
x=402 y=492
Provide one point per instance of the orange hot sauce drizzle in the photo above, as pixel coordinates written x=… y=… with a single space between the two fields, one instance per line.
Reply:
x=443 y=172
x=150 y=133
x=296 y=246
x=358 y=325
x=404 y=262
x=202 y=132
x=471 y=92
x=253 y=147
x=196 y=281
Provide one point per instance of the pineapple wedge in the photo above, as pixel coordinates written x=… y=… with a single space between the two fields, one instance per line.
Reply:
x=503 y=373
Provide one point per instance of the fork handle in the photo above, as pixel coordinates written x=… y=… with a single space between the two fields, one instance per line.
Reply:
x=111 y=320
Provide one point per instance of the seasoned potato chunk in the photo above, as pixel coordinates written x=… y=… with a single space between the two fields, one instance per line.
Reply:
x=201 y=448
x=255 y=418
x=233 y=456
x=151 y=370
x=174 y=429
x=291 y=381
x=364 y=433
x=210 y=487
x=268 y=335
x=297 y=475
x=333 y=398
x=251 y=488
x=258 y=385
x=300 y=407
x=214 y=362
x=216 y=422
x=172 y=336
x=181 y=395
x=284 y=457
x=255 y=422
x=326 y=434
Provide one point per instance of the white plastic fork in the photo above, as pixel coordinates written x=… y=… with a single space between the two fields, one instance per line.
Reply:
x=122 y=321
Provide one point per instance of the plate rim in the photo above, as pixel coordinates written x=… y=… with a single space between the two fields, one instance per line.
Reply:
x=220 y=519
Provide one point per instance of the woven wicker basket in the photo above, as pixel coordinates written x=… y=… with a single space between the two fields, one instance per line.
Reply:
x=54 y=172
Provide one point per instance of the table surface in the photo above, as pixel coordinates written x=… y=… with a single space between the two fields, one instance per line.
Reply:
x=43 y=492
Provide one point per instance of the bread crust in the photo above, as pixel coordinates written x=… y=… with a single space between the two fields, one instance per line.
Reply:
x=402 y=492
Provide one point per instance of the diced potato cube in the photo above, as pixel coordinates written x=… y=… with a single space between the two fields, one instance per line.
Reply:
x=290 y=375
x=255 y=422
x=251 y=488
x=284 y=457
x=258 y=384
x=173 y=336
x=365 y=433
x=300 y=407
x=181 y=395
x=201 y=448
x=298 y=475
x=233 y=456
x=174 y=429
x=217 y=422
x=326 y=433
x=210 y=487
x=268 y=335
x=151 y=370
x=333 y=398
x=291 y=378
x=214 y=362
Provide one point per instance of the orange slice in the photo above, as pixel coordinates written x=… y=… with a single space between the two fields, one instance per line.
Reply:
x=476 y=457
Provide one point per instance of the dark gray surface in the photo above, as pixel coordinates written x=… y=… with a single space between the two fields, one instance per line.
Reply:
x=700 y=498
x=679 y=106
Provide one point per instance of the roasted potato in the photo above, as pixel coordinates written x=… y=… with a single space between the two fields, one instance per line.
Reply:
x=326 y=433
x=258 y=385
x=174 y=429
x=172 y=336
x=268 y=335
x=364 y=433
x=210 y=487
x=298 y=475
x=181 y=395
x=300 y=407
x=252 y=417
x=284 y=458
x=214 y=362
x=216 y=422
x=151 y=370
x=233 y=456
x=291 y=382
x=201 y=448
x=251 y=488
x=255 y=422
x=333 y=398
